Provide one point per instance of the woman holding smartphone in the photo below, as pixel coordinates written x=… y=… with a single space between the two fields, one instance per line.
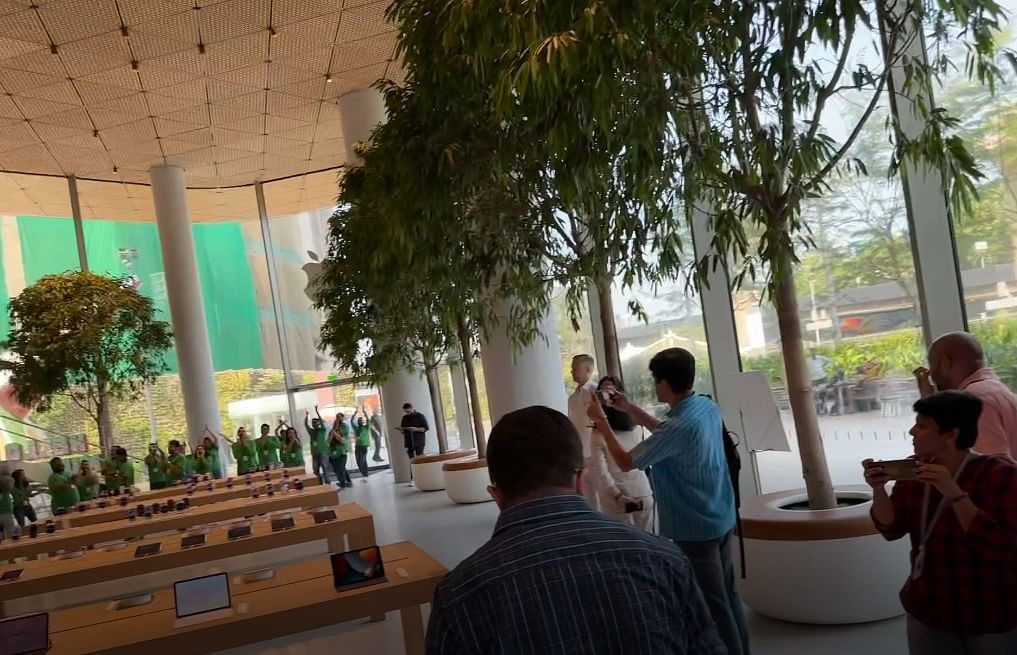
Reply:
x=293 y=450
x=625 y=495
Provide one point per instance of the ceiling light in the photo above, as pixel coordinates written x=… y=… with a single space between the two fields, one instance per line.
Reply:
x=134 y=64
x=95 y=133
x=115 y=170
x=53 y=49
x=271 y=32
x=201 y=48
x=124 y=31
x=328 y=77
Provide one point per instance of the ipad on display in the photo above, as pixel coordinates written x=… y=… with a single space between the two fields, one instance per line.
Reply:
x=24 y=635
x=201 y=595
x=239 y=532
x=356 y=568
x=324 y=516
x=192 y=540
x=148 y=549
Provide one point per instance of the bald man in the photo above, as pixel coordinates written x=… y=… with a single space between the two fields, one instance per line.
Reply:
x=956 y=361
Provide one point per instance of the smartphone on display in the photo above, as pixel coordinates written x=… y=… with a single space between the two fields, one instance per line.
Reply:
x=900 y=469
x=192 y=540
x=239 y=532
x=356 y=568
x=324 y=516
x=12 y=575
x=148 y=549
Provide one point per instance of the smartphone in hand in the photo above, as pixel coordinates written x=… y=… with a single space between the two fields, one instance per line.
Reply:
x=900 y=469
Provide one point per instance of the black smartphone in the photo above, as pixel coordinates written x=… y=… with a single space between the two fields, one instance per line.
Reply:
x=284 y=523
x=324 y=516
x=192 y=540
x=633 y=506
x=148 y=549
x=12 y=575
x=239 y=532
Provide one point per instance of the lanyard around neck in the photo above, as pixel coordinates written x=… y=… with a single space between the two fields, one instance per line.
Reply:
x=928 y=527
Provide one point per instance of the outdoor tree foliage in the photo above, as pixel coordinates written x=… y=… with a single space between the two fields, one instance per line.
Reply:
x=617 y=112
x=88 y=337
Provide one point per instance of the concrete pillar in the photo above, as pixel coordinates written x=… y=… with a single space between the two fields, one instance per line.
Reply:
x=187 y=311
x=532 y=376
x=405 y=387
x=461 y=398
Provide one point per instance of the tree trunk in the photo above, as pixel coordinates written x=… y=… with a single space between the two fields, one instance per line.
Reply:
x=612 y=365
x=471 y=383
x=431 y=371
x=104 y=422
x=799 y=393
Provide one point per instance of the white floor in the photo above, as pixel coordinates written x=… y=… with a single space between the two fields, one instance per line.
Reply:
x=450 y=532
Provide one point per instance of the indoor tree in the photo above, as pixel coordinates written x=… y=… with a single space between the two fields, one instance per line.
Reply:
x=88 y=337
x=628 y=110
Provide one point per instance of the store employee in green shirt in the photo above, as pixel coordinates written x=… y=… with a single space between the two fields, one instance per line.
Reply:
x=119 y=473
x=212 y=453
x=338 y=450
x=155 y=462
x=7 y=523
x=318 y=433
x=180 y=465
x=245 y=451
x=362 y=431
x=268 y=447
x=87 y=483
x=63 y=488
x=293 y=450
x=202 y=462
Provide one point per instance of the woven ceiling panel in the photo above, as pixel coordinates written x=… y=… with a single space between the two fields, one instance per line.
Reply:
x=235 y=91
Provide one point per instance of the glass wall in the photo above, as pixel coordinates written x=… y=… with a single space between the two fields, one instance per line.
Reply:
x=986 y=237
x=858 y=304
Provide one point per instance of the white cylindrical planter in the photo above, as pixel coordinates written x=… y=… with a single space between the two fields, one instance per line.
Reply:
x=461 y=398
x=405 y=387
x=466 y=481
x=187 y=310
x=531 y=376
x=428 y=470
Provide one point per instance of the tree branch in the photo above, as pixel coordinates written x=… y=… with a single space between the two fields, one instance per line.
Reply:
x=831 y=86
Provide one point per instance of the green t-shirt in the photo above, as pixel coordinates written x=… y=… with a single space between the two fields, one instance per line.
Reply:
x=62 y=492
x=212 y=454
x=156 y=470
x=86 y=488
x=337 y=447
x=203 y=465
x=20 y=495
x=319 y=440
x=246 y=454
x=180 y=466
x=269 y=449
x=125 y=472
x=295 y=454
x=363 y=435
x=6 y=502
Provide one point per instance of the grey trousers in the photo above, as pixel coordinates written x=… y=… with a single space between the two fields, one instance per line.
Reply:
x=711 y=562
x=923 y=640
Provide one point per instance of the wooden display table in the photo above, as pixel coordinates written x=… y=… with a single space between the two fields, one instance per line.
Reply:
x=179 y=489
x=353 y=523
x=118 y=512
x=299 y=597
x=90 y=535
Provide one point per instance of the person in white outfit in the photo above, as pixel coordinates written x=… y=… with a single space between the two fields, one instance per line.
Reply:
x=582 y=374
x=624 y=495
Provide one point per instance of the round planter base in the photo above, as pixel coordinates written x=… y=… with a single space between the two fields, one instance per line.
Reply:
x=427 y=469
x=822 y=567
x=467 y=481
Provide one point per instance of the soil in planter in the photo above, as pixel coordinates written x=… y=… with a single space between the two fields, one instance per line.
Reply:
x=803 y=506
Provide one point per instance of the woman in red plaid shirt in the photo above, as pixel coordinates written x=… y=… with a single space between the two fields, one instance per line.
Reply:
x=960 y=510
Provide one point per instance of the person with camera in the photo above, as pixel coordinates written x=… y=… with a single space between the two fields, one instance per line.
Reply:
x=625 y=495
x=958 y=509
x=63 y=488
x=693 y=492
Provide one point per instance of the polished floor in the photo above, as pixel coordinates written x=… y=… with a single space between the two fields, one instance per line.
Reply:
x=450 y=532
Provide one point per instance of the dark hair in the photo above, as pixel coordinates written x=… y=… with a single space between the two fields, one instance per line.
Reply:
x=617 y=419
x=20 y=479
x=54 y=461
x=266 y=425
x=532 y=449
x=953 y=410
x=120 y=451
x=173 y=443
x=407 y=406
x=676 y=366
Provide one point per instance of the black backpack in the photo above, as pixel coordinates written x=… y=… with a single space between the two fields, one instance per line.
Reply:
x=734 y=469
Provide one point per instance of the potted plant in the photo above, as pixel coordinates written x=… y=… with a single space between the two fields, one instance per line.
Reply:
x=88 y=337
x=616 y=113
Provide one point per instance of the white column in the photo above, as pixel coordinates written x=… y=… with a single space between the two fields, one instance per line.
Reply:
x=531 y=376
x=405 y=387
x=722 y=343
x=461 y=398
x=187 y=311
x=360 y=112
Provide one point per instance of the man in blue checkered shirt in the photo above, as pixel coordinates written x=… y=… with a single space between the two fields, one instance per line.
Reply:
x=557 y=577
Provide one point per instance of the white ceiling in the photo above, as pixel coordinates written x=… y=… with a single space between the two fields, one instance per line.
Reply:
x=105 y=89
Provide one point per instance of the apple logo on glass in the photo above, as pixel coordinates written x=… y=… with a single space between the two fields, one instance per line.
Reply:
x=312 y=270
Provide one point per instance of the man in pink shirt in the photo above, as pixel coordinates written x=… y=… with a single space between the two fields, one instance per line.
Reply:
x=956 y=361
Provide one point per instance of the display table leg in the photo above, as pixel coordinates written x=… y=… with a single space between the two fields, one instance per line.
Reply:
x=413 y=630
